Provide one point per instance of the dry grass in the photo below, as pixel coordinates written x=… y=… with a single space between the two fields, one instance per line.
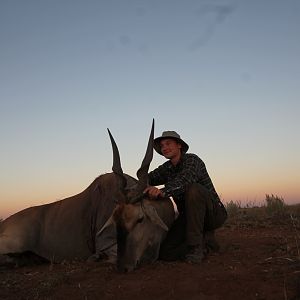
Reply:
x=273 y=209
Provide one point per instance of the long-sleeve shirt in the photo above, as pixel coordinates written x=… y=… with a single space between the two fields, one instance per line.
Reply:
x=190 y=169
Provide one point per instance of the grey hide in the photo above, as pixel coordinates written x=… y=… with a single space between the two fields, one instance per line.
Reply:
x=66 y=229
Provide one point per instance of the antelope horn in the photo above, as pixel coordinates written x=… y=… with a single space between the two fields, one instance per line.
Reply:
x=142 y=172
x=116 y=168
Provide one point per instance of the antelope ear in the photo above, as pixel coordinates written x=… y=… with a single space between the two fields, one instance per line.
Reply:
x=151 y=213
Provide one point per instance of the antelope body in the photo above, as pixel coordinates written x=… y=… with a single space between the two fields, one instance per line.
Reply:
x=62 y=230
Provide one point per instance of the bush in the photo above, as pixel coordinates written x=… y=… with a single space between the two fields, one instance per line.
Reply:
x=275 y=206
x=233 y=208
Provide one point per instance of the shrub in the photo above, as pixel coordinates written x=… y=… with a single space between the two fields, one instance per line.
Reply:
x=275 y=206
x=233 y=208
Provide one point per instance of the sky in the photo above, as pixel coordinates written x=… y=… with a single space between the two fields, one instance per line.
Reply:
x=224 y=74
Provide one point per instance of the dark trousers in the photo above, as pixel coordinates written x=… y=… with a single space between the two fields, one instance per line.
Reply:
x=188 y=229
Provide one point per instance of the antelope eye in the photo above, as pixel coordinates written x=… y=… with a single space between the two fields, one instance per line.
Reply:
x=140 y=220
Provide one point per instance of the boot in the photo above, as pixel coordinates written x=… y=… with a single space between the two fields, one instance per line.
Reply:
x=195 y=254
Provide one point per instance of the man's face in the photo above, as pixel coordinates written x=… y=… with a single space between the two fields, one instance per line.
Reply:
x=170 y=148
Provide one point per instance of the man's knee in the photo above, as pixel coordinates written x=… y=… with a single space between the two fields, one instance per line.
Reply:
x=196 y=192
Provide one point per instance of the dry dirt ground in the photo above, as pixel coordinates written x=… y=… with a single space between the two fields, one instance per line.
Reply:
x=258 y=260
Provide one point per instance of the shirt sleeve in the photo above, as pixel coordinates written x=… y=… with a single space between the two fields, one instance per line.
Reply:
x=158 y=176
x=190 y=173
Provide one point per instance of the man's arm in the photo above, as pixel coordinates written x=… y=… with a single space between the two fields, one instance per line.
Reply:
x=191 y=172
x=158 y=176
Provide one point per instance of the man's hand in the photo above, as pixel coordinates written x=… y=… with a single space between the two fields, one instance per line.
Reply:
x=153 y=192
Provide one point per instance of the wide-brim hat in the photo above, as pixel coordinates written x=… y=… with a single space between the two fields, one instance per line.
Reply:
x=169 y=135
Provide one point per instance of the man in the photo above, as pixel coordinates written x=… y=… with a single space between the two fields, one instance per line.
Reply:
x=185 y=178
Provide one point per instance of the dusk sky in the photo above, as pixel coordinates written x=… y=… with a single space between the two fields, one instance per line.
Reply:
x=224 y=74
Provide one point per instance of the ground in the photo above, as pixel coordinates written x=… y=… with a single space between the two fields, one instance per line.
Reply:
x=259 y=259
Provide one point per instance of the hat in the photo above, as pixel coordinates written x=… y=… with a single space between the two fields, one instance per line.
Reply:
x=169 y=135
